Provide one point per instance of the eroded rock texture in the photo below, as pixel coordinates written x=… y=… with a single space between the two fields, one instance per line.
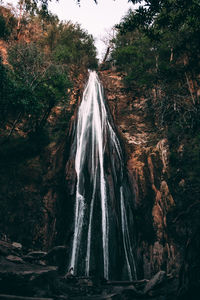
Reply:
x=37 y=206
x=164 y=240
x=33 y=195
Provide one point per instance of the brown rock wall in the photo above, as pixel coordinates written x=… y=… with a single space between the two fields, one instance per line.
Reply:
x=33 y=195
x=148 y=166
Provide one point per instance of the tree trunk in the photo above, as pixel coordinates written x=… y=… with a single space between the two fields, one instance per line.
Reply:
x=189 y=88
x=19 y=19
x=14 y=124
x=106 y=55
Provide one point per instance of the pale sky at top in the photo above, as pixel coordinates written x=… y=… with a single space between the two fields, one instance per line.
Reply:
x=94 y=18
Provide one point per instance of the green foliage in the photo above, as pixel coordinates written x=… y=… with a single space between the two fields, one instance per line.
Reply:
x=7 y=91
x=75 y=47
x=185 y=168
x=7 y=22
x=136 y=57
x=174 y=23
x=3 y=28
x=44 y=57
x=39 y=82
x=157 y=47
x=174 y=14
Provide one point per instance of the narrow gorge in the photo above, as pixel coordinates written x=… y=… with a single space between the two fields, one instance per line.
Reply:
x=99 y=150
x=108 y=196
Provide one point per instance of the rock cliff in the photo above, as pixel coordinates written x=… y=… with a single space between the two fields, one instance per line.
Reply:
x=32 y=177
x=36 y=206
x=164 y=240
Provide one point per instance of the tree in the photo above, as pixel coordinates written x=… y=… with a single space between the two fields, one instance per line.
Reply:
x=158 y=56
x=37 y=85
x=75 y=48
x=7 y=22
x=43 y=54
x=135 y=55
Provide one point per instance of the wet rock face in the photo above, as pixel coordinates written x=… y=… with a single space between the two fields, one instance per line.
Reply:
x=99 y=185
x=149 y=171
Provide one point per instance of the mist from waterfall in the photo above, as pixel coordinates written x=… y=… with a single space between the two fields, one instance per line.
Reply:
x=103 y=240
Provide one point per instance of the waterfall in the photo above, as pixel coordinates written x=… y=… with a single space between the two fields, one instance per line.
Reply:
x=103 y=240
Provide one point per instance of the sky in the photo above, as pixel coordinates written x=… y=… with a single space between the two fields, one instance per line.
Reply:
x=97 y=19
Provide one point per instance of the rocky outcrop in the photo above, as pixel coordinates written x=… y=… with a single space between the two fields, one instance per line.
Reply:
x=36 y=209
x=35 y=275
x=148 y=164
x=33 y=194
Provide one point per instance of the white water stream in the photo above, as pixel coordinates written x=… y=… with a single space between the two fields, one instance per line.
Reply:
x=93 y=134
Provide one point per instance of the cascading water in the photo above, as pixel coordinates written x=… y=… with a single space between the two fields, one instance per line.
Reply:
x=103 y=240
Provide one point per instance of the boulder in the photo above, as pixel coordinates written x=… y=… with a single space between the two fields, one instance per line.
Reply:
x=17 y=245
x=35 y=257
x=15 y=259
x=155 y=281
x=25 y=279
x=37 y=254
x=8 y=249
